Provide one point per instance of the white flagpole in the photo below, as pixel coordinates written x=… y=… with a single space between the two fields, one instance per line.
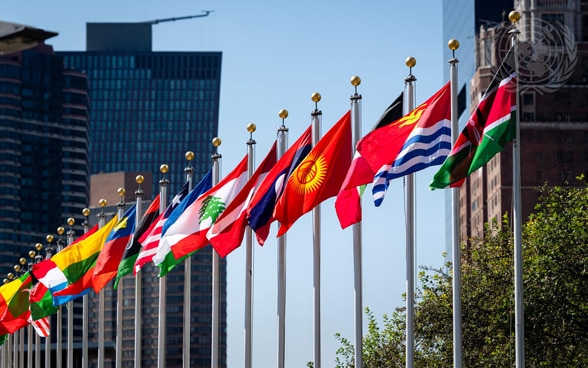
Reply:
x=8 y=349
x=514 y=17
x=316 y=117
x=163 y=188
x=21 y=348
x=410 y=229
x=70 y=312
x=357 y=237
x=138 y=280
x=214 y=361
x=101 y=222
x=189 y=171
x=86 y=213
x=29 y=343
x=48 y=254
x=455 y=237
x=282 y=144
x=249 y=258
x=119 y=293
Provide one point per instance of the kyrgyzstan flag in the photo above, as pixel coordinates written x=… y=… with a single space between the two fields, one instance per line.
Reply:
x=318 y=177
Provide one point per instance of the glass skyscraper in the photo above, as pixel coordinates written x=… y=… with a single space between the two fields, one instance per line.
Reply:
x=150 y=108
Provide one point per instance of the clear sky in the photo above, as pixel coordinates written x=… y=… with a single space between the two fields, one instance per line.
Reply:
x=275 y=55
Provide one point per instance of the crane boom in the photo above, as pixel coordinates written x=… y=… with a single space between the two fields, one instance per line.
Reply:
x=156 y=21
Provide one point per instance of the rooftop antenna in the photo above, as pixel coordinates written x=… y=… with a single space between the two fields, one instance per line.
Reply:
x=156 y=21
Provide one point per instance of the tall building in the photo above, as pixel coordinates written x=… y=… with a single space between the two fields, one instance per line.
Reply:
x=553 y=110
x=462 y=20
x=44 y=151
x=150 y=108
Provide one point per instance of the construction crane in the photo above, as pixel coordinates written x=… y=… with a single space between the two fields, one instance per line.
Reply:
x=156 y=21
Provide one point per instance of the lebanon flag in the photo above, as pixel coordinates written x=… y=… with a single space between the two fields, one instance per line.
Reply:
x=318 y=177
x=188 y=233
x=261 y=208
x=486 y=133
x=226 y=234
x=348 y=200
x=428 y=144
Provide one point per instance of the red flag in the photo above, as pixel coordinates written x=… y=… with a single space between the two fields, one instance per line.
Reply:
x=381 y=146
x=226 y=234
x=359 y=174
x=318 y=177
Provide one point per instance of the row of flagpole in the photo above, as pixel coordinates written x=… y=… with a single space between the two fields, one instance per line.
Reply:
x=281 y=261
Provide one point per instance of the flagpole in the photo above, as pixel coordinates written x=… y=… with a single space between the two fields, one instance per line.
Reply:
x=21 y=345
x=455 y=237
x=410 y=228
x=23 y=262
x=514 y=17
x=189 y=171
x=86 y=213
x=119 y=292
x=357 y=237
x=163 y=188
x=216 y=142
x=70 y=307
x=316 y=117
x=249 y=256
x=59 y=345
x=15 y=347
x=282 y=144
x=101 y=222
x=138 y=281
x=48 y=255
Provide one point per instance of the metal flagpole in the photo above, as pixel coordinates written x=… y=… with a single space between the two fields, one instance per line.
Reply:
x=249 y=257
x=9 y=351
x=101 y=222
x=514 y=17
x=282 y=144
x=357 y=241
x=410 y=229
x=189 y=171
x=23 y=262
x=119 y=292
x=455 y=238
x=70 y=307
x=316 y=117
x=21 y=347
x=59 y=345
x=86 y=213
x=48 y=254
x=138 y=281
x=163 y=188
x=15 y=346
x=214 y=356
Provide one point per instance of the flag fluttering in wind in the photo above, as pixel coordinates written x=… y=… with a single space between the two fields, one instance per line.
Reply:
x=111 y=254
x=15 y=309
x=260 y=210
x=226 y=234
x=42 y=326
x=77 y=262
x=424 y=140
x=318 y=177
x=150 y=239
x=41 y=301
x=188 y=234
x=486 y=133
x=134 y=247
x=164 y=258
x=348 y=202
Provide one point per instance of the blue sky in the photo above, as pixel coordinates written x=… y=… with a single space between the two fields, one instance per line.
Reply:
x=275 y=55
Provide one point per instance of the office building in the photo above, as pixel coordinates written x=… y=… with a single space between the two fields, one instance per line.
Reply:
x=150 y=108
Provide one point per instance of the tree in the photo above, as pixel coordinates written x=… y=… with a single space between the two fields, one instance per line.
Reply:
x=555 y=251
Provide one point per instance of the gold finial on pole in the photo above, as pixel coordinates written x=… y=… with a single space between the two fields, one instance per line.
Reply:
x=453 y=45
x=355 y=81
x=315 y=97
x=514 y=16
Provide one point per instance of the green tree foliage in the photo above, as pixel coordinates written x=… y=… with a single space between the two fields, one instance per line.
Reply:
x=555 y=251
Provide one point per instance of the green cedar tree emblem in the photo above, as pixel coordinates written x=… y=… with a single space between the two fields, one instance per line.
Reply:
x=211 y=207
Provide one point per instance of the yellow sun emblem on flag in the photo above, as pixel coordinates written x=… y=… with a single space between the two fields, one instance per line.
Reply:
x=412 y=117
x=309 y=175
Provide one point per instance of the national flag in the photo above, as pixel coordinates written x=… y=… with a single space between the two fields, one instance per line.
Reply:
x=427 y=144
x=260 y=211
x=490 y=127
x=16 y=314
x=111 y=254
x=150 y=239
x=348 y=202
x=318 y=177
x=77 y=262
x=41 y=301
x=164 y=258
x=42 y=326
x=226 y=234
x=134 y=247
x=188 y=233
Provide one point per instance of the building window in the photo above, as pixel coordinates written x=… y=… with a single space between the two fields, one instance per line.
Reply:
x=538 y=175
x=529 y=98
x=528 y=116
